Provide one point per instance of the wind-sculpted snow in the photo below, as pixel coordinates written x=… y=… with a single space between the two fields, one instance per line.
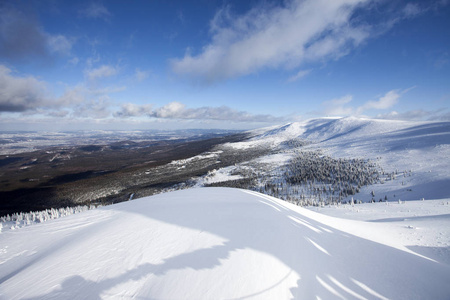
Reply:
x=213 y=243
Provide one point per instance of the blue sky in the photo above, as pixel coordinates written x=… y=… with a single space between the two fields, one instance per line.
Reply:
x=220 y=64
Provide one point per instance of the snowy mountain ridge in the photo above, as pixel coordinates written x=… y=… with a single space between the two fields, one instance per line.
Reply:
x=323 y=129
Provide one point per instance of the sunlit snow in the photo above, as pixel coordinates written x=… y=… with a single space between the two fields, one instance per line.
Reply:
x=215 y=243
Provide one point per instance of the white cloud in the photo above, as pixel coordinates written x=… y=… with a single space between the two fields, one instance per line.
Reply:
x=58 y=113
x=88 y=102
x=101 y=72
x=141 y=75
x=342 y=106
x=133 y=110
x=385 y=102
x=274 y=37
x=290 y=35
x=93 y=108
x=18 y=94
x=23 y=38
x=28 y=96
x=411 y=10
x=73 y=96
x=177 y=110
x=171 y=110
x=108 y=90
x=338 y=107
x=96 y=10
x=300 y=74
x=74 y=61
x=60 y=44
x=90 y=61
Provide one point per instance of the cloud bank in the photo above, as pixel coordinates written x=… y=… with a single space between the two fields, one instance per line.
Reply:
x=177 y=110
x=26 y=94
x=19 y=94
x=133 y=110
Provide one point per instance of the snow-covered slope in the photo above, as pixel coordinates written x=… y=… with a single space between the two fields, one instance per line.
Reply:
x=213 y=243
x=352 y=129
x=420 y=147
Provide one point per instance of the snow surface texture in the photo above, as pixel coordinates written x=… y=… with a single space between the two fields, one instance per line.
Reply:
x=422 y=226
x=214 y=243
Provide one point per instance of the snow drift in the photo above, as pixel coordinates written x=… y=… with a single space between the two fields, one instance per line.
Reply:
x=212 y=243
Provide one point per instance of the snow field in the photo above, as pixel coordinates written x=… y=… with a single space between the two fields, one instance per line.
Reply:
x=213 y=243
